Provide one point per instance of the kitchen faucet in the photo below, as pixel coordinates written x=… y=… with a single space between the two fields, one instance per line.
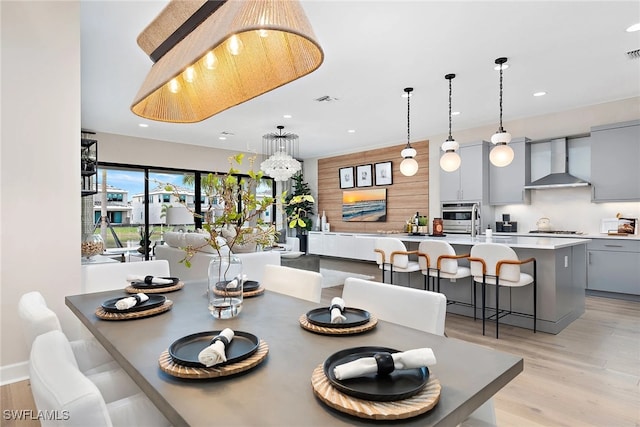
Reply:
x=474 y=213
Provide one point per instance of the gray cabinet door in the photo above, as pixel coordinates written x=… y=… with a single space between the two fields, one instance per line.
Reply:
x=469 y=182
x=614 y=272
x=615 y=155
x=506 y=184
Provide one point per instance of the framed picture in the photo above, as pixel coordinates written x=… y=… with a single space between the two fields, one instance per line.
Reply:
x=364 y=176
x=383 y=173
x=364 y=205
x=346 y=177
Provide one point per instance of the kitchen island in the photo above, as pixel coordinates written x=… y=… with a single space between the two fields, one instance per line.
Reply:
x=562 y=273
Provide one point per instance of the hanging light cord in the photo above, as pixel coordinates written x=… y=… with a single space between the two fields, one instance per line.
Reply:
x=450 y=137
x=501 y=129
x=408 y=118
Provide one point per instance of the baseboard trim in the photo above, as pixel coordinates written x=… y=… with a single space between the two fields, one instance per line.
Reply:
x=13 y=373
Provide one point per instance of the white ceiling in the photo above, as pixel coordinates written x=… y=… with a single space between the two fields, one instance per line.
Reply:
x=574 y=50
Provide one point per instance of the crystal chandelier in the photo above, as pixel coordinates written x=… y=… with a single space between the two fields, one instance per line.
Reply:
x=281 y=149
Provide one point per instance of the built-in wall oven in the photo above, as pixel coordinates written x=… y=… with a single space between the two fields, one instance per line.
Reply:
x=457 y=218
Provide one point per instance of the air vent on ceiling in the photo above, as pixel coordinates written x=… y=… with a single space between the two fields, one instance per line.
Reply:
x=634 y=54
x=326 y=98
x=224 y=132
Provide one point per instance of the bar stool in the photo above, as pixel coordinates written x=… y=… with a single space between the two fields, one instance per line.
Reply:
x=497 y=264
x=438 y=259
x=392 y=255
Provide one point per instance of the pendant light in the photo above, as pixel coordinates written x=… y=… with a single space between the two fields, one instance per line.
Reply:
x=409 y=165
x=282 y=148
x=450 y=160
x=501 y=155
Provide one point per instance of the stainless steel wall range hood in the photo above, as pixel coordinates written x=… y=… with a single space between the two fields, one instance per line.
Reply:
x=559 y=177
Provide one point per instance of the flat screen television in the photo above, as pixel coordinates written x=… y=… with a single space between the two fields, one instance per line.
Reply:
x=364 y=205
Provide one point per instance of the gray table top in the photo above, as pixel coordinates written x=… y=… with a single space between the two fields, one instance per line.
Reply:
x=278 y=391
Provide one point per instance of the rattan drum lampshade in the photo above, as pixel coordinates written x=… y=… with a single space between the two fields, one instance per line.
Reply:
x=213 y=55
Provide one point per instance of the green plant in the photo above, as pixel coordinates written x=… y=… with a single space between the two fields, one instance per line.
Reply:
x=233 y=210
x=298 y=205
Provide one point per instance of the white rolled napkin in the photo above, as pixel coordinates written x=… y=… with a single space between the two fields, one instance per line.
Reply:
x=215 y=353
x=128 y=302
x=233 y=284
x=336 y=312
x=154 y=280
x=410 y=359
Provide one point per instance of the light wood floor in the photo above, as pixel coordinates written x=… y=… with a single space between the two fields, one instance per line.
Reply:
x=587 y=375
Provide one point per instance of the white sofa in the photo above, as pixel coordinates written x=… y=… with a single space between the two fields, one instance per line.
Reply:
x=252 y=262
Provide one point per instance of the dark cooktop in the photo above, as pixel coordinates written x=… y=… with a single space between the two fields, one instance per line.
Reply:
x=553 y=232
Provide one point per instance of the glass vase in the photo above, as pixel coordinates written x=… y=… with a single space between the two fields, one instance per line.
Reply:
x=225 y=286
x=91 y=246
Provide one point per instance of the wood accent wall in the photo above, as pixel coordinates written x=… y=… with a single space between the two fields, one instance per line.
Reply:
x=405 y=196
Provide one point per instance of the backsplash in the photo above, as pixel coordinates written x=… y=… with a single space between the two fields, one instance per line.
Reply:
x=568 y=209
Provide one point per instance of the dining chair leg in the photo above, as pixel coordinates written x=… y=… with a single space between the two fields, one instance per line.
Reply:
x=438 y=281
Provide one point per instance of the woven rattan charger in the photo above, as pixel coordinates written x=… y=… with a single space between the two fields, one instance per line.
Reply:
x=413 y=406
x=175 y=369
x=304 y=322
x=159 y=290
x=106 y=315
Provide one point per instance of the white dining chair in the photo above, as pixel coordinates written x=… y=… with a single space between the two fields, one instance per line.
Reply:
x=37 y=319
x=107 y=277
x=415 y=308
x=498 y=265
x=303 y=284
x=92 y=359
x=60 y=389
x=392 y=256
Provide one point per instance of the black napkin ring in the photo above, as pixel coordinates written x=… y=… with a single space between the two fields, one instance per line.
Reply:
x=222 y=338
x=385 y=363
x=336 y=306
x=148 y=280
x=138 y=298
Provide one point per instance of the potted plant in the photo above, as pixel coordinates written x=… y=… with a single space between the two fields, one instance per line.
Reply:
x=298 y=207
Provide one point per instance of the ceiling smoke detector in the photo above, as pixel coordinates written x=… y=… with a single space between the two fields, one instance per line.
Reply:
x=326 y=98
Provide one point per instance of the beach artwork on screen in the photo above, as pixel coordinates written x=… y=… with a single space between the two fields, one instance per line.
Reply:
x=364 y=205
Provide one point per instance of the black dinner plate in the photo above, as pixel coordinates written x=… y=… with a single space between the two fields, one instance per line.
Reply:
x=399 y=384
x=250 y=285
x=142 y=285
x=185 y=350
x=322 y=317
x=152 y=302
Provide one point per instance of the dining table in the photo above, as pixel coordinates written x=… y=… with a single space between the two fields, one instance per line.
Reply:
x=278 y=391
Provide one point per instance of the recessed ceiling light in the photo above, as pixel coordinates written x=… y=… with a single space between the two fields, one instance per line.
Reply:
x=504 y=67
x=222 y=138
x=634 y=27
x=287 y=116
x=455 y=113
x=143 y=125
x=351 y=131
x=541 y=93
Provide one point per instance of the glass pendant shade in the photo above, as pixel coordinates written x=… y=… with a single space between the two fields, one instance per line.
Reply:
x=229 y=59
x=408 y=152
x=499 y=137
x=450 y=160
x=409 y=166
x=501 y=155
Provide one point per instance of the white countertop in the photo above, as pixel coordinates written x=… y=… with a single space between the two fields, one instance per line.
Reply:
x=574 y=236
x=528 y=241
